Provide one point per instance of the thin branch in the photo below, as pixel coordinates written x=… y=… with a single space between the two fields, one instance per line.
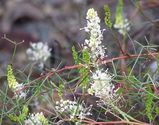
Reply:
x=11 y=41
x=112 y=122
x=50 y=74
x=15 y=45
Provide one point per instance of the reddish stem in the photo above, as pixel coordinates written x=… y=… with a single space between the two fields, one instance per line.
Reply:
x=49 y=75
x=81 y=65
x=127 y=57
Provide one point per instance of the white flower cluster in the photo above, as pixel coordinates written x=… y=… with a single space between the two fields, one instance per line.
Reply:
x=36 y=119
x=21 y=94
x=102 y=87
x=73 y=109
x=93 y=44
x=39 y=52
x=123 y=26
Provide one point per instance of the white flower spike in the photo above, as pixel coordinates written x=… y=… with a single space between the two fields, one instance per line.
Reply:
x=93 y=44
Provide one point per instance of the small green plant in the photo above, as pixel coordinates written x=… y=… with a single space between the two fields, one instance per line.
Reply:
x=84 y=71
x=119 y=10
x=75 y=55
x=107 y=18
x=23 y=115
x=11 y=78
x=149 y=104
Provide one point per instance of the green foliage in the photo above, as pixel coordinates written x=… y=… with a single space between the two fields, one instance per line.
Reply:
x=84 y=76
x=86 y=56
x=107 y=18
x=118 y=17
x=75 y=55
x=149 y=104
x=85 y=70
x=60 y=89
x=11 y=78
x=157 y=110
x=13 y=117
x=24 y=113
x=21 y=117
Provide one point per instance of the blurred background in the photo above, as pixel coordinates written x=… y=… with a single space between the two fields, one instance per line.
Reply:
x=58 y=23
